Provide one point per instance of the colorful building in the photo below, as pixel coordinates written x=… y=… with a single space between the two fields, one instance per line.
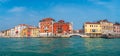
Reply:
x=19 y=28
x=70 y=27
x=25 y=33
x=30 y=32
x=12 y=32
x=35 y=32
x=46 y=26
x=116 y=28
x=62 y=27
x=6 y=33
x=92 y=28
x=107 y=27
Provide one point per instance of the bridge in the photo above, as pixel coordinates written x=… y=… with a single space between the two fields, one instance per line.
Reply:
x=77 y=34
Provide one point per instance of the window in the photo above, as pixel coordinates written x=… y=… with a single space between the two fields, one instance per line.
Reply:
x=85 y=30
x=59 y=30
x=93 y=30
x=96 y=25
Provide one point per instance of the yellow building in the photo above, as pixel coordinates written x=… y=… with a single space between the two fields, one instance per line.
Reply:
x=30 y=32
x=92 y=28
x=107 y=27
x=35 y=32
x=24 y=33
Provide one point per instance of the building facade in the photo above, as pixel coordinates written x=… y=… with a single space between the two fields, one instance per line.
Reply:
x=12 y=32
x=46 y=26
x=35 y=32
x=116 y=29
x=107 y=27
x=25 y=32
x=70 y=27
x=1 y=34
x=7 y=33
x=62 y=27
x=92 y=29
x=19 y=28
x=30 y=32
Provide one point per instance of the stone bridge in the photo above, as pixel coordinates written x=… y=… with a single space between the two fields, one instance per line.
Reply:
x=77 y=34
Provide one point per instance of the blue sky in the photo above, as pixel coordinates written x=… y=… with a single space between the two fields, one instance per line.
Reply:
x=14 y=12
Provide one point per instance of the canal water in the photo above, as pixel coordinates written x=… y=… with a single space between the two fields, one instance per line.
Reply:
x=74 y=46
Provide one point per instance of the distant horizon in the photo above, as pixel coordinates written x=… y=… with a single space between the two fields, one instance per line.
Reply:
x=14 y=12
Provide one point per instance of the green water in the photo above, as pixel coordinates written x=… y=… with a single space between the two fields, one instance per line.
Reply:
x=74 y=46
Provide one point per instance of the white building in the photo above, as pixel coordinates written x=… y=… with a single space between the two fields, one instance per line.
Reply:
x=17 y=30
x=71 y=27
x=12 y=32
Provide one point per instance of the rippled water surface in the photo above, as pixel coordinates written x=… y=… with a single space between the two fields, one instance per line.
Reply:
x=74 y=46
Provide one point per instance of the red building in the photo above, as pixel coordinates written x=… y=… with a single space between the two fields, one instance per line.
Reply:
x=46 y=26
x=62 y=27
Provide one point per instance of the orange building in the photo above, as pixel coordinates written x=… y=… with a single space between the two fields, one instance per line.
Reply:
x=46 y=26
x=62 y=27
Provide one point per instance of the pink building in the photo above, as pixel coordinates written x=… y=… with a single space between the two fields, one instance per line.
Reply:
x=116 y=28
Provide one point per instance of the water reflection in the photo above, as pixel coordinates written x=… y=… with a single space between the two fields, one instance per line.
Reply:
x=39 y=45
x=52 y=44
x=75 y=46
x=93 y=44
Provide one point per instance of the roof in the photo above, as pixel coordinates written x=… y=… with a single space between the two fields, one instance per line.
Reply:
x=47 y=19
x=105 y=20
x=91 y=23
x=30 y=28
x=62 y=22
x=23 y=24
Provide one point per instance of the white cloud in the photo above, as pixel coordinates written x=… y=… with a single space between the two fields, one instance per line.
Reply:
x=17 y=9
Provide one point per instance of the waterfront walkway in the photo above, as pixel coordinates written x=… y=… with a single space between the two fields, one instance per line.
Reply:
x=67 y=35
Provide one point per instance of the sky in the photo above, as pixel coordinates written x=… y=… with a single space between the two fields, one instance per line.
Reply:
x=14 y=12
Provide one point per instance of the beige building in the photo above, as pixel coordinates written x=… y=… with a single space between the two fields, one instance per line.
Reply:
x=6 y=33
x=35 y=32
x=91 y=28
x=107 y=27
